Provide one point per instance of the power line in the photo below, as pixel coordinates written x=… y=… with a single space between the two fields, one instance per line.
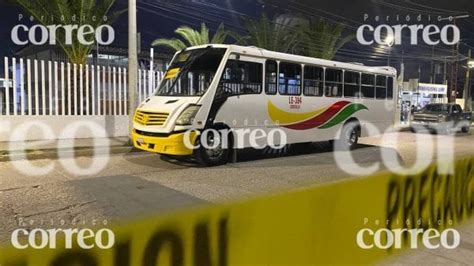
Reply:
x=414 y=10
x=444 y=11
x=356 y=23
x=185 y=12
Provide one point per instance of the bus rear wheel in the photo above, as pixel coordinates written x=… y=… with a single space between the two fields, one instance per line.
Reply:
x=213 y=148
x=349 y=136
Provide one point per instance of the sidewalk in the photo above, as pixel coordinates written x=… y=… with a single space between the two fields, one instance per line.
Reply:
x=49 y=149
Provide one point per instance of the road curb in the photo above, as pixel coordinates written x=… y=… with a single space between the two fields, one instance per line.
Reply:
x=32 y=154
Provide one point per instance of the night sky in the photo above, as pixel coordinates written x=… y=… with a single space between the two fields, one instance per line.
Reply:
x=159 y=19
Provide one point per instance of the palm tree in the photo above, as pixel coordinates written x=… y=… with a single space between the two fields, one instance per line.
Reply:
x=292 y=34
x=322 y=39
x=279 y=35
x=192 y=37
x=71 y=12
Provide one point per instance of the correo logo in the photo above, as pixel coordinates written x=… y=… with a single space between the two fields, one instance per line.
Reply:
x=394 y=33
x=387 y=239
x=431 y=34
x=40 y=35
x=85 y=238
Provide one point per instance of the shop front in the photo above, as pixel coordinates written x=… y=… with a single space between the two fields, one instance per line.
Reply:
x=414 y=96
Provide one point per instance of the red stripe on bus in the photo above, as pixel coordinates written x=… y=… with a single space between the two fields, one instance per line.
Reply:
x=320 y=119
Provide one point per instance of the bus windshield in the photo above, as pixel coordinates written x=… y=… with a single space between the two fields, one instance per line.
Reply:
x=191 y=72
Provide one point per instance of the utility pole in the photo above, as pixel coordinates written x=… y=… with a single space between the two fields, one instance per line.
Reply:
x=467 y=85
x=389 y=55
x=432 y=66
x=452 y=86
x=151 y=76
x=132 y=60
x=453 y=89
x=445 y=75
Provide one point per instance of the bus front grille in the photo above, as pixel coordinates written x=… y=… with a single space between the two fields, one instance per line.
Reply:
x=150 y=119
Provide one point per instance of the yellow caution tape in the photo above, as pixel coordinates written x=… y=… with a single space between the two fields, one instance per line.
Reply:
x=312 y=226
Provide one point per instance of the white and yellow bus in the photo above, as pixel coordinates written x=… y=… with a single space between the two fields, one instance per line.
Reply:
x=234 y=87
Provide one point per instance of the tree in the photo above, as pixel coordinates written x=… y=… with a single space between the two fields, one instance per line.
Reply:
x=279 y=35
x=71 y=12
x=322 y=39
x=192 y=37
x=298 y=35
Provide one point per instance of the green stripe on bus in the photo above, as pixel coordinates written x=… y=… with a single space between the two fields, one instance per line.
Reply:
x=344 y=114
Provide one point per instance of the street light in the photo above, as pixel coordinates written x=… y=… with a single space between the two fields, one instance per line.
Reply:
x=389 y=40
x=467 y=85
x=132 y=60
x=470 y=64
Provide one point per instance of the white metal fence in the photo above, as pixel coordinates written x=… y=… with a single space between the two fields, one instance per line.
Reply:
x=49 y=88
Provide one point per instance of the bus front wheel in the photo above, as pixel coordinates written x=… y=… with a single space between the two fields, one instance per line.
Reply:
x=213 y=148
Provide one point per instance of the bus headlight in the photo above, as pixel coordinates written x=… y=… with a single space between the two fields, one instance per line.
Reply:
x=187 y=116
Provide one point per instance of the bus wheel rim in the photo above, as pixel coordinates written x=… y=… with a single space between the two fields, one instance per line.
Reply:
x=352 y=137
x=214 y=153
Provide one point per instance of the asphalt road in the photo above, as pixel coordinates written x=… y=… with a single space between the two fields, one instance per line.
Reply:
x=137 y=184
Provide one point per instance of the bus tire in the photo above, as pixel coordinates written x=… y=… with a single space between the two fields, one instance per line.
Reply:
x=349 y=136
x=214 y=154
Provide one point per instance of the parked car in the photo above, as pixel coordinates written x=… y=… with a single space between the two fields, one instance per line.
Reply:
x=442 y=117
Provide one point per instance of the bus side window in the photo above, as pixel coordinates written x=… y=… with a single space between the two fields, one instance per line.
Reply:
x=381 y=87
x=368 y=86
x=333 y=85
x=313 y=81
x=271 y=77
x=242 y=77
x=290 y=79
x=351 y=84
x=390 y=88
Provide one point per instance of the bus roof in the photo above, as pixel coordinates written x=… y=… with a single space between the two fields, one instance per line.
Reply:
x=260 y=52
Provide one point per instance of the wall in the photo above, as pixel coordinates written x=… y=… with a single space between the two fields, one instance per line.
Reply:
x=108 y=126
